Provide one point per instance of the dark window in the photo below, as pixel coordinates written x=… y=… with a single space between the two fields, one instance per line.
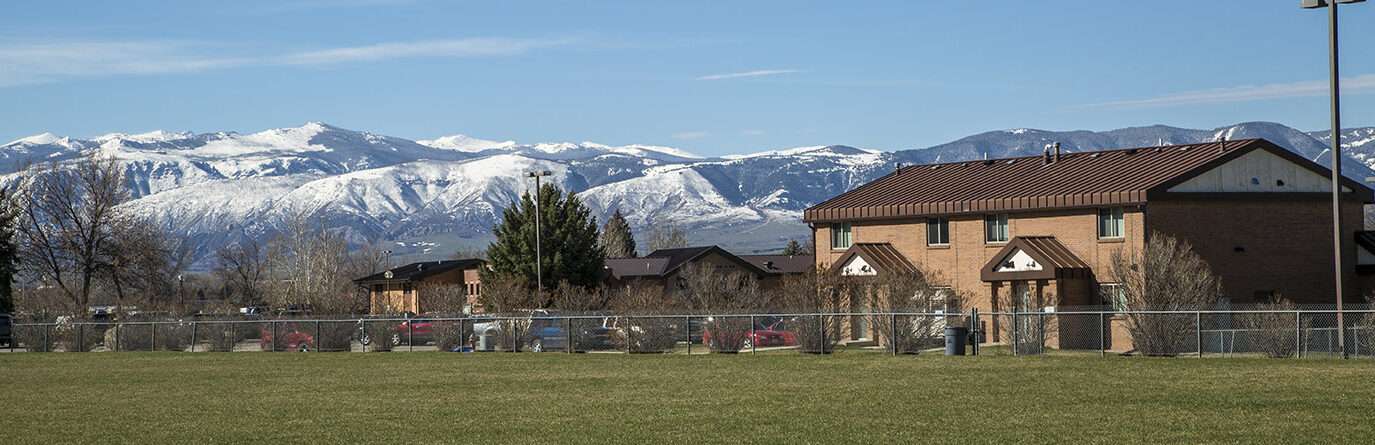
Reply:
x=937 y=231
x=1110 y=223
x=995 y=228
x=840 y=236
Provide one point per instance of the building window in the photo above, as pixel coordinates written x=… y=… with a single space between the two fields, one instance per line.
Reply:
x=406 y=289
x=1110 y=223
x=938 y=231
x=995 y=228
x=840 y=236
x=1114 y=295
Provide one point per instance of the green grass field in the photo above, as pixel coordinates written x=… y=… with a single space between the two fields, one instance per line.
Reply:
x=599 y=398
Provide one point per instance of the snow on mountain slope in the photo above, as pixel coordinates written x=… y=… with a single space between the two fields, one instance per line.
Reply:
x=447 y=193
x=467 y=144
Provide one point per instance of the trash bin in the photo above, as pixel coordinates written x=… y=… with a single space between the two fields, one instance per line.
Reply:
x=485 y=342
x=955 y=339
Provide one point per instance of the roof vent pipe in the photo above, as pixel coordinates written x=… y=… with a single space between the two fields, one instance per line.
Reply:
x=1045 y=155
x=1057 y=152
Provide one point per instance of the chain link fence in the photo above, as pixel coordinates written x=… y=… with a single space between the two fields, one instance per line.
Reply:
x=1235 y=331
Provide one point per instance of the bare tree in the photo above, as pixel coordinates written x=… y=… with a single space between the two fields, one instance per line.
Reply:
x=813 y=293
x=242 y=266
x=912 y=293
x=506 y=297
x=716 y=294
x=667 y=236
x=638 y=330
x=1168 y=276
x=68 y=223
x=310 y=267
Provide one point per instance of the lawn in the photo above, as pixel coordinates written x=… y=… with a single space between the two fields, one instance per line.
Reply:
x=599 y=398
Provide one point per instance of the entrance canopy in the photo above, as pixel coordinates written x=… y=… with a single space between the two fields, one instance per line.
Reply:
x=1034 y=258
x=871 y=259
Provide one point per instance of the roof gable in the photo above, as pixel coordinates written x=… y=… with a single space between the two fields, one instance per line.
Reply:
x=868 y=259
x=1033 y=258
x=677 y=258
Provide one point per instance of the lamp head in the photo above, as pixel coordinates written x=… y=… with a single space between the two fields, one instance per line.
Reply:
x=1313 y=4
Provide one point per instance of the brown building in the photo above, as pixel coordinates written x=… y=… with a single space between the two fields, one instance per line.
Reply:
x=1043 y=229
x=662 y=267
x=404 y=289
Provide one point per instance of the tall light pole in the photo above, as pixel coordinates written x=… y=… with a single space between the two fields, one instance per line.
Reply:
x=1336 y=154
x=539 y=272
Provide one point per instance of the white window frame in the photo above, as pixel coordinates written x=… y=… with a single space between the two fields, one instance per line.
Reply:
x=1114 y=295
x=1112 y=219
x=837 y=230
x=992 y=236
x=942 y=226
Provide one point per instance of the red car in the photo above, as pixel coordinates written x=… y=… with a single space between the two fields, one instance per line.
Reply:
x=293 y=338
x=415 y=330
x=768 y=332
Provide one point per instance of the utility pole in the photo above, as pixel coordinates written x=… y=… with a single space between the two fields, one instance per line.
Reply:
x=1336 y=154
x=539 y=261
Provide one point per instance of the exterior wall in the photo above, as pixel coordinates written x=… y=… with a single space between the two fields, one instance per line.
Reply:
x=959 y=263
x=1282 y=243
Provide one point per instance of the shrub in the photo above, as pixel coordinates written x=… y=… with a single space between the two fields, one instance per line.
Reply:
x=1272 y=333
x=1166 y=275
x=379 y=335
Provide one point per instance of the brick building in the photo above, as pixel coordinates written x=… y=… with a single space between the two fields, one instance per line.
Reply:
x=1043 y=229
x=404 y=289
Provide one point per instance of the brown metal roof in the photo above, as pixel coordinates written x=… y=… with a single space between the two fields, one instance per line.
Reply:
x=1084 y=179
x=1056 y=260
x=783 y=264
x=881 y=256
x=663 y=262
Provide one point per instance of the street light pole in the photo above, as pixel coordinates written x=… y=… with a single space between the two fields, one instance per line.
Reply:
x=539 y=272
x=1336 y=153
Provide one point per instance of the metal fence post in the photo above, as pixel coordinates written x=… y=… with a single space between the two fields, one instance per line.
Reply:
x=893 y=332
x=274 y=336
x=410 y=335
x=318 y=338
x=1014 y=331
x=1298 y=334
x=80 y=337
x=754 y=341
x=976 y=330
x=47 y=343
x=821 y=326
x=154 y=345
x=193 y=336
x=687 y=333
x=117 y=329
x=1198 y=331
x=568 y=333
x=233 y=336
x=462 y=339
x=1102 y=335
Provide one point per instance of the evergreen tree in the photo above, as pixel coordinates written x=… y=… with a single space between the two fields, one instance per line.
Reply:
x=8 y=251
x=795 y=248
x=616 y=240
x=568 y=242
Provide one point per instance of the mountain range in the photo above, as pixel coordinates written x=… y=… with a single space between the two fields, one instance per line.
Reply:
x=431 y=198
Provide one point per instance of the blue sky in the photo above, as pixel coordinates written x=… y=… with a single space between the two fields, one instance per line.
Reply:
x=711 y=77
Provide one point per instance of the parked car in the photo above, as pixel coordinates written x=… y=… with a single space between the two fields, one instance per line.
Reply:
x=544 y=332
x=768 y=332
x=293 y=338
x=413 y=331
x=6 y=330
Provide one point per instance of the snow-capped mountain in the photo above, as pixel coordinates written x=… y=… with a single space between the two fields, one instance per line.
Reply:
x=433 y=197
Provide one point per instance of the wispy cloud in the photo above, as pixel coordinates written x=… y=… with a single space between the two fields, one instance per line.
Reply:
x=755 y=73
x=690 y=135
x=35 y=63
x=22 y=64
x=474 y=47
x=1364 y=83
